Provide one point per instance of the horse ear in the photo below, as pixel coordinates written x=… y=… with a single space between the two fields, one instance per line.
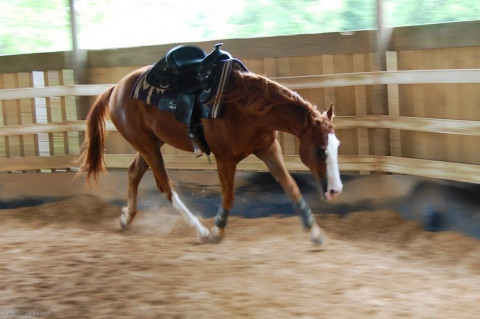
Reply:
x=330 y=112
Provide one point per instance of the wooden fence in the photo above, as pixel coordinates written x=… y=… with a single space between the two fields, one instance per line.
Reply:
x=22 y=140
x=420 y=117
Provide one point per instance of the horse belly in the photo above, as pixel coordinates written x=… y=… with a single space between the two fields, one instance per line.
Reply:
x=168 y=130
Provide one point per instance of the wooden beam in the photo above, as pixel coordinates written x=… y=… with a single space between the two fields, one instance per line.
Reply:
x=388 y=164
x=28 y=62
x=38 y=163
x=412 y=166
x=462 y=127
x=60 y=127
x=298 y=82
x=382 y=77
x=67 y=90
x=252 y=48
x=433 y=36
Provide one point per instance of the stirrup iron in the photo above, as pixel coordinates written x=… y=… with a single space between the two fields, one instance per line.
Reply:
x=196 y=149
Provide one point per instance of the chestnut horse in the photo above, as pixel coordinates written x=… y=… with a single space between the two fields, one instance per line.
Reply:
x=254 y=109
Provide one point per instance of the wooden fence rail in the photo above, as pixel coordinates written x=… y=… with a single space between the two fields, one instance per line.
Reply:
x=363 y=162
x=462 y=127
x=294 y=83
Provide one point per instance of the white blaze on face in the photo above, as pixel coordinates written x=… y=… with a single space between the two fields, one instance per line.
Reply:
x=334 y=184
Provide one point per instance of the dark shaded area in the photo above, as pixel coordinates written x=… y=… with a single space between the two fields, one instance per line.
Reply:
x=27 y=202
x=437 y=205
x=446 y=206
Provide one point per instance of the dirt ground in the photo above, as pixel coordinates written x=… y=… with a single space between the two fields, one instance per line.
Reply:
x=69 y=259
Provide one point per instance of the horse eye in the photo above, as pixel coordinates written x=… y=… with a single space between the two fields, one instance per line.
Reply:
x=321 y=153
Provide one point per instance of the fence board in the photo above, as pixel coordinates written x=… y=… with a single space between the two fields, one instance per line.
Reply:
x=393 y=105
x=400 y=165
x=360 y=95
x=294 y=83
x=28 y=116
x=460 y=127
x=391 y=164
x=381 y=78
x=37 y=163
x=12 y=116
x=3 y=140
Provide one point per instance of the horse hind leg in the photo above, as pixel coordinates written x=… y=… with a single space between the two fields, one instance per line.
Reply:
x=164 y=185
x=151 y=153
x=135 y=173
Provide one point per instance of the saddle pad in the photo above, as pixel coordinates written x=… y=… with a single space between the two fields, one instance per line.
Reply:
x=166 y=99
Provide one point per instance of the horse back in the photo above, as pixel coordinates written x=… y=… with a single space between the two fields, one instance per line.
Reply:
x=140 y=123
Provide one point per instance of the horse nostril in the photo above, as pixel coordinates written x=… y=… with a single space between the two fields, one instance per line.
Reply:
x=334 y=192
x=331 y=193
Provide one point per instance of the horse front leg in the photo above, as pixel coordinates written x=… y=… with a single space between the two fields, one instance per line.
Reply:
x=226 y=173
x=135 y=173
x=272 y=156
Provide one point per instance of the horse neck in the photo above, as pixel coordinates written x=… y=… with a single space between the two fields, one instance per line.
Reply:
x=288 y=118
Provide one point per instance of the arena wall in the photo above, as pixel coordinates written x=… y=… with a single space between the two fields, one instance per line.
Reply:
x=409 y=108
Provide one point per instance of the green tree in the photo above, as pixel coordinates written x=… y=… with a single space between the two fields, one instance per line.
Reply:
x=359 y=15
x=28 y=26
x=34 y=26
x=414 y=12
x=282 y=17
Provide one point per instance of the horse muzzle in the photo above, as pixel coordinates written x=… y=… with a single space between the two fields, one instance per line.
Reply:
x=334 y=187
x=332 y=193
x=331 y=187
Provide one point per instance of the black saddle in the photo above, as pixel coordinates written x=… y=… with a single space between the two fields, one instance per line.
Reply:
x=189 y=71
x=186 y=69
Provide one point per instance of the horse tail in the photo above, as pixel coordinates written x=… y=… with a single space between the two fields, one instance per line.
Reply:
x=93 y=157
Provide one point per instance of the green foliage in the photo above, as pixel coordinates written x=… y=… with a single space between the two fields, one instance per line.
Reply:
x=359 y=15
x=414 y=12
x=28 y=26
x=32 y=26
x=283 y=17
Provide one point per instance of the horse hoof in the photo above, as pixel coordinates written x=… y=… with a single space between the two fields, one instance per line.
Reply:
x=217 y=234
x=204 y=236
x=123 y=222
x=124 y=219
x=317 y=236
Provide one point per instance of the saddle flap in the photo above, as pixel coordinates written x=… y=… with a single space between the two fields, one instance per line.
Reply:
x=185 y=104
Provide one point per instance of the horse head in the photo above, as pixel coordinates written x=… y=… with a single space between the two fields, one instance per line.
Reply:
x=319 y=151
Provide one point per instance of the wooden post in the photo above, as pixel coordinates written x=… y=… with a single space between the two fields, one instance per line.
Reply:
x=27 y=109
x=393 y=105
x=380 y=45
x=12 y=116
x=3 y=140
x=74 y=138
x=327 y=62
x=361 y=108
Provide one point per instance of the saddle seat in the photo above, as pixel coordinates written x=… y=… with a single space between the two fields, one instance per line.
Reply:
x=186 y=69
x=184 y=56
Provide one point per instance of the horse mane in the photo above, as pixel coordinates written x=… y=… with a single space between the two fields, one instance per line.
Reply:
x=258 y=95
